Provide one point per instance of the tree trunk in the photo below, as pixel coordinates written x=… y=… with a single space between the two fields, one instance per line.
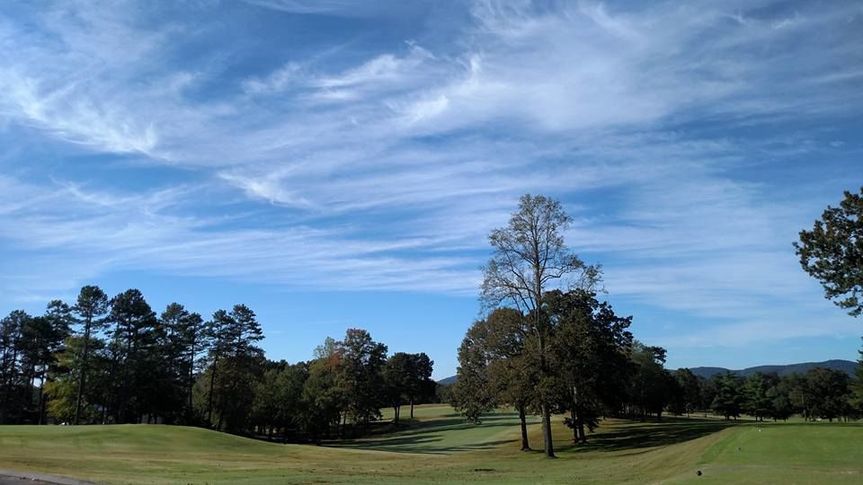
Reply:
x=574 y=416
x=546 y=431
x=42 y=398
x=412 y=408
x=548 y=440
x=123 y=398
x=525 y=445
x=11 y=377
x=344 y=423
x=210 y=397
x=191 y=383
x=83 y=374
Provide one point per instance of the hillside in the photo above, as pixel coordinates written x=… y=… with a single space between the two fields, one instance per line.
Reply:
x=441 y=447
x=846 y=366
x=446 y=381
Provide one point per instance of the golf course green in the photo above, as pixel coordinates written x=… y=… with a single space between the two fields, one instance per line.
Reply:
x=440 y=447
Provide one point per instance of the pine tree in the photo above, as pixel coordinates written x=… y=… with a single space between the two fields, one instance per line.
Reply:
x=90 y=308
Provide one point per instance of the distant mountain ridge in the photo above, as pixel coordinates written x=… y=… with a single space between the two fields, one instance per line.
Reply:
x=846 y=366
x=446 y=381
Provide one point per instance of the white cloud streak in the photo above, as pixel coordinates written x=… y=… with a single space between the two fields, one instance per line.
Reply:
x=387 y=172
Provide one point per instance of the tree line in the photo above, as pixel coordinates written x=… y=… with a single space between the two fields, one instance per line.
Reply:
x=114 y=360
x=818 y=394
x=597 y=369
x=549 y=346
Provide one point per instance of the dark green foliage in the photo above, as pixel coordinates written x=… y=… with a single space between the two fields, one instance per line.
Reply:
x=857 y=388
x=781 y=406
x=825 y=394
x=729 y=397
x=499 y=366
x=651 y=385
x=420 y=387
x=360 y=375
x=590 y=348
x=12 y=368
x=236 y=364
x=183 y=342
x=90 y=308
x=322 y=397
x=125 y=364
x=396 y=375
x=62 y=390
x=408 y=380
x=690 y=396
x=587 y=358
x=473 y=394
x=137 y=371
x=757 y=399
x=832 y=252
x=278 y=403
x=707 y=394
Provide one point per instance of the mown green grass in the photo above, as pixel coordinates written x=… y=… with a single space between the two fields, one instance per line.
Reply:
x=787 y=453
x=440 y=430
x=439 y=447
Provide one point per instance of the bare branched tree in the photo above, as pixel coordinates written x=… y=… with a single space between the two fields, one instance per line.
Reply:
x=530 y=258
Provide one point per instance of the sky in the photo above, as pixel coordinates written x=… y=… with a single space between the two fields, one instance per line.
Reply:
x=339 y=163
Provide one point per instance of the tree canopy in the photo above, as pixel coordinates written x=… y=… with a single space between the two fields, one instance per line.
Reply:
x=832 y=252
x=529 y=257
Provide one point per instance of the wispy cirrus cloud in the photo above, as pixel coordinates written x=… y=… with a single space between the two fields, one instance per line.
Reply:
x=346 y=8
x=384 y=165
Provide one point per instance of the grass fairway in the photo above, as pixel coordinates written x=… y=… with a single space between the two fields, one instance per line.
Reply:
x=440 y=447
x=787 y=453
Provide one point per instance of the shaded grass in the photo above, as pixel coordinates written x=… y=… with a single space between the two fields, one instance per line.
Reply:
x=444 y=433
x=623 y=435
x=440 y=447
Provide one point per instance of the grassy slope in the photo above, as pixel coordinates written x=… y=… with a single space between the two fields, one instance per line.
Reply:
x=441 y=448
x=787 y=453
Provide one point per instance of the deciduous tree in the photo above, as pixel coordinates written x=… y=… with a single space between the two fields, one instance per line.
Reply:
x=473 y=394
x=729 y=399
x=590 y=348
x=360 y=377
x=529 y=258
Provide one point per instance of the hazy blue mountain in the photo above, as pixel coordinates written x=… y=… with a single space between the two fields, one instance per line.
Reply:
x=446 y=381
x=846 y=366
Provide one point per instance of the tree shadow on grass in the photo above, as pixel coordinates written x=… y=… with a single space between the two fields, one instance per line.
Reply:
x=428 y=436
x=424 y=443
x=647 y=435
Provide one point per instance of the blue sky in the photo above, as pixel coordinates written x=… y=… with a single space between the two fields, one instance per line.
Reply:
x=339 y=163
